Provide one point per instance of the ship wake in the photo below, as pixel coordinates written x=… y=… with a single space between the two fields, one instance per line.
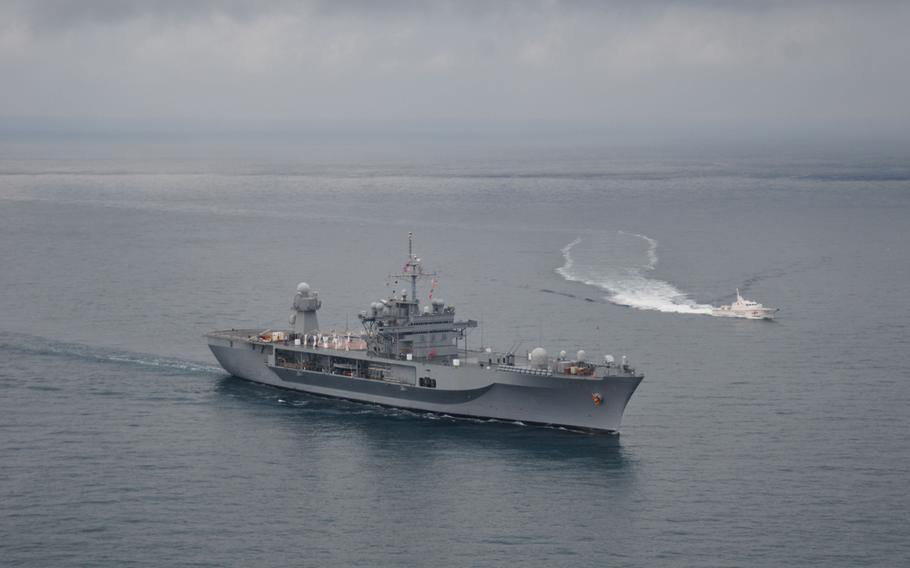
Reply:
x=620 y=265
x=36 y=345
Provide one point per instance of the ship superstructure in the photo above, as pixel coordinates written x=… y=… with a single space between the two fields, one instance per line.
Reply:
x=412 y=356
x=397 y=328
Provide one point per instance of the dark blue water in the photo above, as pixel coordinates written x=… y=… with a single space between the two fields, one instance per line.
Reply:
x=748 y=444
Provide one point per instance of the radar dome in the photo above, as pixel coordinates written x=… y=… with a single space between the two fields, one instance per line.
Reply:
x=426 y=309
x=609 y=358
x=539 y=357
x=303 y=288
x=562 y=354
x=580 y=356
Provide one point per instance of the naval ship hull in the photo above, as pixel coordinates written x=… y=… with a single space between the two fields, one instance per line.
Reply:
x=478 y=391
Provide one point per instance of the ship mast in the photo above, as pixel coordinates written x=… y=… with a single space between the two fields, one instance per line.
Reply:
x=413 y=269
x=413 y=265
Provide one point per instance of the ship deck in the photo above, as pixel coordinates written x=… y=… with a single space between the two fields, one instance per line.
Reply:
x=484 y=358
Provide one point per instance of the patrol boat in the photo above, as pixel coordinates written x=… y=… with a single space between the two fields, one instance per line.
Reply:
x=743 y=308
x=415 y=357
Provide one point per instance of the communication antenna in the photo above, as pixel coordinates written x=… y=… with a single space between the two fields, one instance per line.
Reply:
x=413 y=269
x=413 y=264
x=482 y=345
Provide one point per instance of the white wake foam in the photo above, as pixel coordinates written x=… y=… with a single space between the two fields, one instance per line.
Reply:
x=619 y=263
x=652 y=248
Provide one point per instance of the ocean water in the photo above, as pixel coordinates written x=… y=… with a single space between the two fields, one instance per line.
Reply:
x=785 y=443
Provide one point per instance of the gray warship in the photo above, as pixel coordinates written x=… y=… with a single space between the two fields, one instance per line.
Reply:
x=415 y=357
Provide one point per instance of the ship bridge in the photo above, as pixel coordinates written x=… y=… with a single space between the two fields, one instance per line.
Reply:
x=397 y=328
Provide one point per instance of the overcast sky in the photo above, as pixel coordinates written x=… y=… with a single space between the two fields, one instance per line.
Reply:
x=650 y=64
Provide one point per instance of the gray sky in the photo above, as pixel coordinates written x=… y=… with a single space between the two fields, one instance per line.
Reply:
x=648 y=65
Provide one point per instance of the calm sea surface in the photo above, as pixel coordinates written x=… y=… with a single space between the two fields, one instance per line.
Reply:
x=786 y=443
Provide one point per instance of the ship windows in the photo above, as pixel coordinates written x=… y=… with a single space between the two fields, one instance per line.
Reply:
x=427 y=382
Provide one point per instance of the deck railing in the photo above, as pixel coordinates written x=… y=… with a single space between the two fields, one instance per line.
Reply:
x=525 y=370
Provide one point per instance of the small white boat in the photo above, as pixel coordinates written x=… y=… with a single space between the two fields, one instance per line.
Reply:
x=743 y=308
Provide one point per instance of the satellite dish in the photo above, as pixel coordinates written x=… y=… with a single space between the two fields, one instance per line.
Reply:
x=608 y=359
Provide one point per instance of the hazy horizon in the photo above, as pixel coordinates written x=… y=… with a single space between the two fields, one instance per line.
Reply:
x=650 y=71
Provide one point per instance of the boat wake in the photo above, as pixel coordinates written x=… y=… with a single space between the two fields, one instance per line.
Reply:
x=620 y=265
x=35 y=345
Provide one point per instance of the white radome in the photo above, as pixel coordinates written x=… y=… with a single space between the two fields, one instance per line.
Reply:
x=538 y=357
